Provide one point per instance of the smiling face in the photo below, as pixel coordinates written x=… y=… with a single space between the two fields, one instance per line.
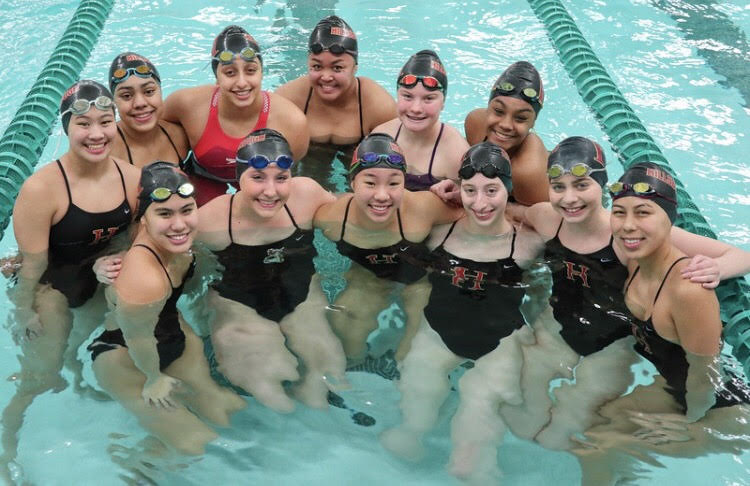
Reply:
x=484 y=200
x=419 y=108
x=266 y=190
x=509 y=121
x=575 y=198
x=139 y=102
x=240 y=81
x=640 y=226
x=172 y=224
x=330 y=75
x=378 y=192
x=90 y=135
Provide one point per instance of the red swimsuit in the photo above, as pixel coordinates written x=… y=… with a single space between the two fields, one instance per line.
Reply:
x=216 y=150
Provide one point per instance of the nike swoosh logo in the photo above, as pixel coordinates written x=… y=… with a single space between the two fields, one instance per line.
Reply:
x=404 y=248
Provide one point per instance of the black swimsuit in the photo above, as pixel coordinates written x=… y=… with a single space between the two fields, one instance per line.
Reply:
x=164 y=131
x=359 y=101
x=398 y=262
x=170 y=340
x=587 y=296
x=473 y=305
x=77 y=240
x=671 y=363
x=422 y=182
x=273 y=278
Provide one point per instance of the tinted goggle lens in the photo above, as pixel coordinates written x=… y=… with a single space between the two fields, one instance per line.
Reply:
x=227 y=57
x=371 y=158
x=122 y=74
x=283 y=162
x=82 y=106
x=508 y=87
x=411 y=80
x=578 y=170
x=640 y=188
x=163 y=193
x=488 y=170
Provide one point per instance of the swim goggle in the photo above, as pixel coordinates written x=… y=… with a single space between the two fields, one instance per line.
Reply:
x=640 y=189
x=578 y=170
x=507 y=88
x=227 y=57
x=336 y=49
x=122 y=74
x=411 y=80
x=283 y=162
x=161 y=194
x=81 y=106
x=488 y=170
x=370 y=159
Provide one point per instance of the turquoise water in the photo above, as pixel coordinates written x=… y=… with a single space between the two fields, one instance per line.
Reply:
x=665 y=62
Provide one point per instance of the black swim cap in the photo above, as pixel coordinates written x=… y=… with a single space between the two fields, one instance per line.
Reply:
x=580 y=150
x=377 y=150
x=84 y=89
x=425 y=63
x=265 y=142
x=155 y=175
x=233 y=39
x=488 y=159
x=659 y=187
x=521 y=80
x=333 y=31
x=127 y=61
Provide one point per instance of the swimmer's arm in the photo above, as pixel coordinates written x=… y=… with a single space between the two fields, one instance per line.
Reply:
x=712 y=261
x=475 y=125
x=32 y=219
x=698 y=326
x=530 y=181
x=437 y=211
x=212 y=223
x=175 y=105
x=380 y=106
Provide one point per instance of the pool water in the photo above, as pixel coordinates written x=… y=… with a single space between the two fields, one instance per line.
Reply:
x=682 y=65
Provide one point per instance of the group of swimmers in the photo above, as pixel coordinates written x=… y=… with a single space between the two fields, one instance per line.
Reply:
x=446 y=224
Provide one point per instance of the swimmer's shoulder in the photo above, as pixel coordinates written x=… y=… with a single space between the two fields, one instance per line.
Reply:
x=543 y=219
x=44 y=189
x=330 y=216
x=378 y=106
x=428 y=208
x=187 y=100
x=295 y=91
x=475 y=125
x=283 y=108
x=307 y=196
x=177 y=135
x=390 y=127
x=142 y=279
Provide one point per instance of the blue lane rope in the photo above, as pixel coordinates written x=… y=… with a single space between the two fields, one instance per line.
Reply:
x=26 y=136
x=634 y=144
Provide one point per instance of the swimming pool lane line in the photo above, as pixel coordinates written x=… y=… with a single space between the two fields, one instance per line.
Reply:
x=632 y=143
x=24 y=139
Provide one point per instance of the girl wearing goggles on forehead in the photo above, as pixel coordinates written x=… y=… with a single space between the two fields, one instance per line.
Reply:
x=515 y=101
x=433 y=148
x=143 y=136
x=696 y=402
x=473 y=313
x=341 y=108
x=269 y=308
x=67 y=214
x=148 y=358
x=217 y=118
x=381 y=228
x=587 y=316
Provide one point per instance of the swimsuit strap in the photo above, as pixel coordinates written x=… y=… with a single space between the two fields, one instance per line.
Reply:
x=557 y=233
x=263 y=117
x=450 y=230
x=665 y=278
x=400 y=227
x=513 y=243
x=127 y=147
x=290 y=216
x=65 y=178
x=434 y=149
x=398 y=132
x=164 y=131
x=346 y=216
x=231 y=200
x=122 y=179
x=307 y=103
x=158 y=260
x=359 y=100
